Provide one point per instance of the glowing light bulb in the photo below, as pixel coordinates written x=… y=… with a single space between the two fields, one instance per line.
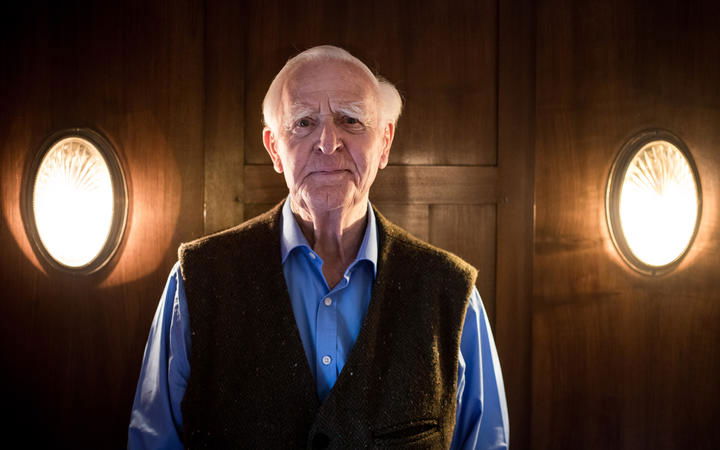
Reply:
x=658 y=204
x=73 y=203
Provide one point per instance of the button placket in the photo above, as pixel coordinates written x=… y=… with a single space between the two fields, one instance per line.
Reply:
x=326 y=346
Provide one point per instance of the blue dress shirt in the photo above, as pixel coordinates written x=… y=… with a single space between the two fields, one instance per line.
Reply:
x=329 y=322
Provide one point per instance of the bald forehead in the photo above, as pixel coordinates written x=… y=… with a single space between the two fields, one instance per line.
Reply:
x=336 y=77
x=340 y=85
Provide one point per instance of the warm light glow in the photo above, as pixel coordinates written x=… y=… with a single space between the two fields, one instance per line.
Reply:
x=658 y=204
x=73 y=202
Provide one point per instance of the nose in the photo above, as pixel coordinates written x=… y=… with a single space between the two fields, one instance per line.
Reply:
x=329 y=138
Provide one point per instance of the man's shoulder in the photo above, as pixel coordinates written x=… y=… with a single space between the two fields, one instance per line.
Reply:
x=254 y=231
x=423 y=252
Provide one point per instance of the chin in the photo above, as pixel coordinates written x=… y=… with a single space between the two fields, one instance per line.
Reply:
x=328 y=199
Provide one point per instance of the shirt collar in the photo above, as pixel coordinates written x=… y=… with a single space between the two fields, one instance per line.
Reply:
x=293 y=237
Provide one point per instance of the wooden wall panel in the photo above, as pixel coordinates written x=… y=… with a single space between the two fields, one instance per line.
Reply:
x=451 y=113
x=622 y=360
x=71 y=346
x=255 y=209
x=413 y=218
x=224 y=125
x=470 y=232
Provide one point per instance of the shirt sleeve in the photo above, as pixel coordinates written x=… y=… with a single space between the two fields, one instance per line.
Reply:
x=482 y=419
x=156 y=418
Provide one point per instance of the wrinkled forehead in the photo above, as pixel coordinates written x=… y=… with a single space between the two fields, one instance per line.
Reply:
x=333 y=82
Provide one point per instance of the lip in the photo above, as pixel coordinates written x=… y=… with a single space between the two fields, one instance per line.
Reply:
x=331 y=176
x=329 y=172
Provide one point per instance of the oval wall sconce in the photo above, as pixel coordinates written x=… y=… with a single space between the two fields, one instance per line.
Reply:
x=75 y=201
x=653 y=202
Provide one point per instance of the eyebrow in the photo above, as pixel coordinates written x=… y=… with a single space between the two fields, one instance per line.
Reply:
x=352 y=108
x=299 y=110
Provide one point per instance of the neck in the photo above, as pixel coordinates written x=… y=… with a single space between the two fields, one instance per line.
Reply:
x=335 y=235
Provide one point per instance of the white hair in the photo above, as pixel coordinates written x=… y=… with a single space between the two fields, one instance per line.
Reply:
x=389 y=100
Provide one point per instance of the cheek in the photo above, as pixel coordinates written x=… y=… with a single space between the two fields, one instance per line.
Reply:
x=368 y=159
x=294 y=161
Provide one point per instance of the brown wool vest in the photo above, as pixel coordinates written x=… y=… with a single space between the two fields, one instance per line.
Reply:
x=250 y=384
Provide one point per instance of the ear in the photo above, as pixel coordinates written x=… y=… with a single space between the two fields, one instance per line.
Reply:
x=387 y=139
x=270 y=144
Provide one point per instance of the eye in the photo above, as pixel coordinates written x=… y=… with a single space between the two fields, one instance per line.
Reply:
x=302 y=126
x=352 y=124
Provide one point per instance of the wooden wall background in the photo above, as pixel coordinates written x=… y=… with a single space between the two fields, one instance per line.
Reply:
x=515 y=111
x=71 y=346
x=620 y=360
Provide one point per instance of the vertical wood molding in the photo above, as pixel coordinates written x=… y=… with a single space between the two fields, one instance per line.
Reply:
x=516 y=111
x=224 y=123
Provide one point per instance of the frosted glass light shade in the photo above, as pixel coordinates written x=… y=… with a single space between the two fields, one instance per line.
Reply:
x=76 y=203
x=654 y=202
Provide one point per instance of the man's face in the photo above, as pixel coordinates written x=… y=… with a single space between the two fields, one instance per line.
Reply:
x=330 y=143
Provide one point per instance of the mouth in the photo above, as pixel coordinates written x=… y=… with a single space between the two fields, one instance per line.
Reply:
x=330 y=172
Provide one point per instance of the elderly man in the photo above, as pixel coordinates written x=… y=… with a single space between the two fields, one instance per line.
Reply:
x=320 y=324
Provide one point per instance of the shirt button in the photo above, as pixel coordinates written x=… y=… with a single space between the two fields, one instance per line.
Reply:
x=312 y=255
x=328 y=301
x=326 y=360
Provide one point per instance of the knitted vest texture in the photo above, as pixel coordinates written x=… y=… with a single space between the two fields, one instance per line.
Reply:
x=250 y=385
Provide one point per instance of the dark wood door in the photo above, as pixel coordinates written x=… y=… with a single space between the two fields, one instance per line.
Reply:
x=460 y=172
